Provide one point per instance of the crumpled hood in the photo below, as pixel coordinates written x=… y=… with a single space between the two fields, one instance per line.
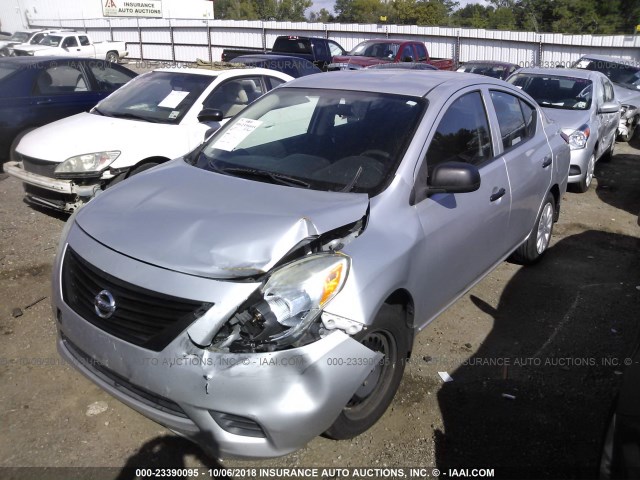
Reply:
x=7 y=43
x=358 y=60
x=568 y=118
x=34 y=48
x=185 y=219
x=627 y=96
x=77 y=135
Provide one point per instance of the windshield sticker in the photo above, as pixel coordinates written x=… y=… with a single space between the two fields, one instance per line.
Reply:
x=583 y=63
x=173 y=99
x=174 y=114
x=236 y=134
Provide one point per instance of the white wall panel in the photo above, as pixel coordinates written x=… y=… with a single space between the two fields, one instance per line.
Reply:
x=190 y=54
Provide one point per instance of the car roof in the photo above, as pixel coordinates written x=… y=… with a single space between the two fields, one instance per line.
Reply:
x=561 y=72
x=417 y=83
x=489 y=62
x=267 y=57
x=388 y=40
x=35 y=60
x=231 y=72
x=607 y=58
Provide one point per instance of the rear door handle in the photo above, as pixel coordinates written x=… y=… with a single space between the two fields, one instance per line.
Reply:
x=42 y=102
x=499 y=194
x=546 y=161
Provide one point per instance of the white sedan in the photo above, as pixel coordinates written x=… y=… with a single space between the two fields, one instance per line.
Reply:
x=154 y=118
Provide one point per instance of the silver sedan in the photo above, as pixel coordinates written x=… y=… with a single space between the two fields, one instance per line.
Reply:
x=267 y=287
x=584 y=104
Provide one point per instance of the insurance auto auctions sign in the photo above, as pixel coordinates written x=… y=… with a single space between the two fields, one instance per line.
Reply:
x=132 y=8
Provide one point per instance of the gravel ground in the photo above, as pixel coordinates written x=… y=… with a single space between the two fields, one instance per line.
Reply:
x=536 y=355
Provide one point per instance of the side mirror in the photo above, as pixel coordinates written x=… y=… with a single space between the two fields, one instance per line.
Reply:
x=609 y=107
x=210 y=115
x=454 y=177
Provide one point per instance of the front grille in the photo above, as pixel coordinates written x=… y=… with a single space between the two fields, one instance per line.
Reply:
x=48 y=197
x=120 y=383
x=238 y=425
x=20 y=53
x=39 y=167
x=142 y=317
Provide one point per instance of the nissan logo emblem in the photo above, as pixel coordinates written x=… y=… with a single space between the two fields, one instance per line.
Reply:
x=104 y=304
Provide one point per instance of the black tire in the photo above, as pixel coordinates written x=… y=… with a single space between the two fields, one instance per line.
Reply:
x=112 y=57
x=16 y=141
x=4 y=52
x=390 y=335
x=534 y=247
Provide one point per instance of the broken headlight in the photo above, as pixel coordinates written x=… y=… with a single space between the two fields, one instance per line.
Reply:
x=284 y=312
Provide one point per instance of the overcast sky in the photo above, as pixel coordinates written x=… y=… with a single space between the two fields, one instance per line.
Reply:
x=328 y=4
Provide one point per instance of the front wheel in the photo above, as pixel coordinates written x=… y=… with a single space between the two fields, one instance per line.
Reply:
x=389 y=336
x=585 y=182
x=534 y=247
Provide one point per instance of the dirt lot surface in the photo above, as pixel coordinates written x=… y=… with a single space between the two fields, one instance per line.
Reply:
x=535 y=355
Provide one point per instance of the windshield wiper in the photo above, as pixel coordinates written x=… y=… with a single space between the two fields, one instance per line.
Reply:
x=353 y=181
x=134 y=116
x=276 y=177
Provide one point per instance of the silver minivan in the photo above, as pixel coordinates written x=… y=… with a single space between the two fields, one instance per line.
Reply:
x=267 y=287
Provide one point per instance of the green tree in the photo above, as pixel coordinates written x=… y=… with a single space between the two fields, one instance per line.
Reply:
x=323 y=16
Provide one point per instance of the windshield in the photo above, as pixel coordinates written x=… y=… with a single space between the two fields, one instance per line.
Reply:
x=7 y=69
x=625 y=75
x=163 y=97
x=19 y=37
x=495 y=71
x=51 y=40
x=550 y=91
x=376 y=49
x=327 y=140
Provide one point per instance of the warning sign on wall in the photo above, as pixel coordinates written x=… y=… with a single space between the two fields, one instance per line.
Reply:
x=132 y=8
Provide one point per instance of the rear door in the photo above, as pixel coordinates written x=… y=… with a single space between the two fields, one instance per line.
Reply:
x=527 y=155
x=464 y=233
x=61 y=89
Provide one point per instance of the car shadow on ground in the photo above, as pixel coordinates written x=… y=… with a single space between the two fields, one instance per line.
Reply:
x=533 y=401
x=619 y=180
x=168 y=453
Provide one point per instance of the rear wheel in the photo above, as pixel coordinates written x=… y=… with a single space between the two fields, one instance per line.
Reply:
x=538 y=242
x=389 y=336
x=112 y=57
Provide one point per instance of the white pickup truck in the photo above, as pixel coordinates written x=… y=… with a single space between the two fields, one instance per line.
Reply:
x=26 y=37
x=73 y=44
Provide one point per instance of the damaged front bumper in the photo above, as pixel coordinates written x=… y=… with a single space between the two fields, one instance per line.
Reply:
x=628 y=121
x=65 y=195
x=248 y=405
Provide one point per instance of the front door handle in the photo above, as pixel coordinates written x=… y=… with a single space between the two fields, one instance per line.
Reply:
x=499 y=194
x=546 y=161
x=43 y=102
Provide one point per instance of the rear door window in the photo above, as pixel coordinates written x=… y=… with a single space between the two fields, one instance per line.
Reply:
x=515 y=118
